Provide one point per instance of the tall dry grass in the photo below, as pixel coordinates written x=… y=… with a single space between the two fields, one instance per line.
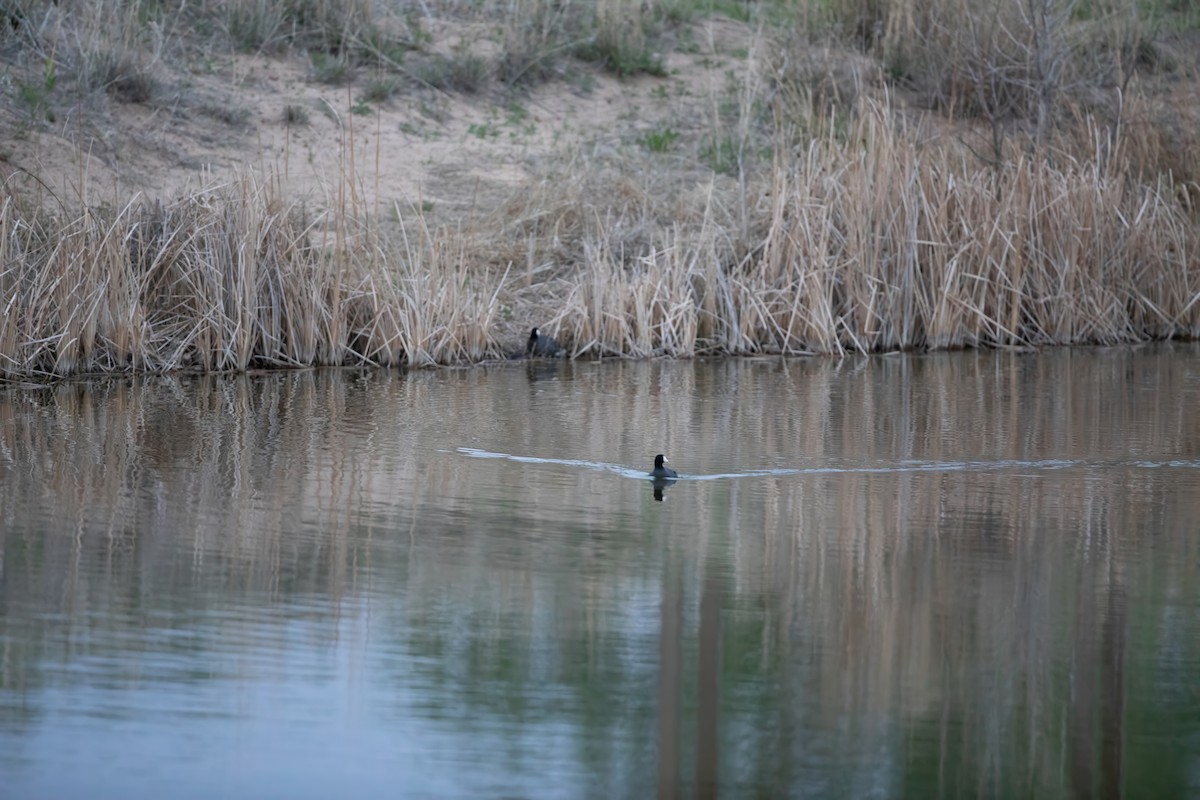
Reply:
x=869 y=239
x=812 y=215
x=229 y=277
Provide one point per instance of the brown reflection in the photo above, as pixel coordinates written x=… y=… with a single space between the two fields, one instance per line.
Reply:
x=669 y=681
x=672 y=679
x=1112 y=658
x=215 y=466
x=708 y=689
x=1097 y=702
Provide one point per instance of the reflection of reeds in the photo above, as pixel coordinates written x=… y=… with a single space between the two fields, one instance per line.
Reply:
x=942 y=596
x=248 y=446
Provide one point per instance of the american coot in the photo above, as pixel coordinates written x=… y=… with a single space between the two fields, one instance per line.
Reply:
x=660 y=472
x=541 y=345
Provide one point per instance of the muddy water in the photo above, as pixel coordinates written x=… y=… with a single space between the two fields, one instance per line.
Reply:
x=971 y=573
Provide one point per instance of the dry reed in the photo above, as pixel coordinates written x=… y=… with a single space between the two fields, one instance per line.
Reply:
x=874 y=242
x=862 y=233
x=868 y=241
x=227 y=278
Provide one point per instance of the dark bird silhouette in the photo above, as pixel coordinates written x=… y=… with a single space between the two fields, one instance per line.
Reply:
x=541 y=346
x=661 y=472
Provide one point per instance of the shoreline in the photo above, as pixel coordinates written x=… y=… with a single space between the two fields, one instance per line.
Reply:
x=41 y=381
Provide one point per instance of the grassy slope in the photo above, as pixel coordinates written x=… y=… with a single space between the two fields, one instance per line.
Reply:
x=325 y=182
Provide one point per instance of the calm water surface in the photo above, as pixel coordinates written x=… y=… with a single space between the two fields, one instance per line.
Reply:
x=928 y=576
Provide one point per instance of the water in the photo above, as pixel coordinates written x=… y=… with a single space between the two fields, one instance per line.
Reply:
x=905 y=576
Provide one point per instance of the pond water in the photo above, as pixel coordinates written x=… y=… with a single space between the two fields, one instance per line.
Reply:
x=900 y=576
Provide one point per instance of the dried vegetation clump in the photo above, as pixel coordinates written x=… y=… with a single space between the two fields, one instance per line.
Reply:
x=227 y=278
x=885 y=244
x=871 y=176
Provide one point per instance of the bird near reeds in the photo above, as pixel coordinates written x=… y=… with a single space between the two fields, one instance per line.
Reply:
x=661 y=471
x=542 y=346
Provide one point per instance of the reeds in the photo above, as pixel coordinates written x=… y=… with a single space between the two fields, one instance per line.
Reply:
x=226 y=278
x=874 y=242
x=832 y=223
x=865 y=242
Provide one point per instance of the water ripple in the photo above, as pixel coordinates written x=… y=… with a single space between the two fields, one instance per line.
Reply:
x=897 y=467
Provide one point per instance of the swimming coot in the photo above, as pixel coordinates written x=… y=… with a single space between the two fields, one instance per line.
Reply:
x=659 y=472
x=542 y=345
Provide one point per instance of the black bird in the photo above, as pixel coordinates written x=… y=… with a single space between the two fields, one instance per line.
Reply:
x=539 y=345
x=660 y=472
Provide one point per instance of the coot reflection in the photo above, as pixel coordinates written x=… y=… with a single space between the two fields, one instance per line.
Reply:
x=661 y=476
